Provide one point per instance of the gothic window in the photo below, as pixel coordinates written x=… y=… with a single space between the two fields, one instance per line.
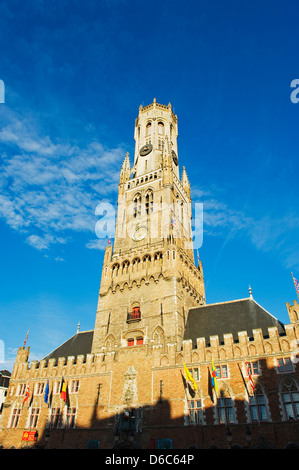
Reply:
x=148 y=128
x=257 y=406
x=15 y=417
x=158 y=255
x=70 y=418
x=160 y=128
x=225 y=409
x=34 y=417
x=160 y=144
x=115 y=269
x=149 y=202
x=125 y=266
x=55 y=418
x=158 y=335
x=195 y=412
x=110 y=343
x=290 y=398
x=135 y=263
x=137 y=205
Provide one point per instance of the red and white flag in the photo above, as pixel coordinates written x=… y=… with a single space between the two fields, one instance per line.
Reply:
x=26 y=338
x=296 y=283
x=250 y=376
x=26 y=394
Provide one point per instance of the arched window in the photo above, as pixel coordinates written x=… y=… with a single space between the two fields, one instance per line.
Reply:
x=160 y=128
x=125 y=267
x=115 y=269
x=135 y=263
x=148 y=128
x=257 y=406
x=137 y=205
x=290 y=398
x=225 y=409
x=149 y=202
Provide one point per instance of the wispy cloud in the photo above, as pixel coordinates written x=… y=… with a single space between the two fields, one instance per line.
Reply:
x=270 y=233
x=50 y=189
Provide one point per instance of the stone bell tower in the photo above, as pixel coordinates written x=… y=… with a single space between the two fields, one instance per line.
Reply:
x=149 y=279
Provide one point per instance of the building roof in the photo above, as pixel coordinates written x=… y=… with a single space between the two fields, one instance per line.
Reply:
x=4 y=378
x=229 y=317
x=79 y=344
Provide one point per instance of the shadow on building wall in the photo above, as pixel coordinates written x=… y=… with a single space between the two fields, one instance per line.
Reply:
x=154 y=427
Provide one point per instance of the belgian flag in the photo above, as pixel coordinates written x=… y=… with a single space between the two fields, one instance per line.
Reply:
x=63 y=394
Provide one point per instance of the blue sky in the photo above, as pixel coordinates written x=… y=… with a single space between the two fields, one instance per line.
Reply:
x=75 y=74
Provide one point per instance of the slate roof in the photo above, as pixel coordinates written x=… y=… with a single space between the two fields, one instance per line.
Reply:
x=229 y=317
x=78 y=344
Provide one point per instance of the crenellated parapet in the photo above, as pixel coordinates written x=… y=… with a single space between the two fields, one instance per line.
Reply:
x=230 y=349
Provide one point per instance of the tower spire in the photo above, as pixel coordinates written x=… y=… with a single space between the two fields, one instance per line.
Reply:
x=250 y=293
x=185 y=182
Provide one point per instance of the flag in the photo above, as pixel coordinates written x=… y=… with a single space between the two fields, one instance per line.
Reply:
x=296 y=283
x=189 y=377
x=172 y=222
x=26 y=337
x=46 y=396
x=197 y=256
x=63 y=390
x=250 y=376
x=26 y=394
x=214 y=377
x=109 y=240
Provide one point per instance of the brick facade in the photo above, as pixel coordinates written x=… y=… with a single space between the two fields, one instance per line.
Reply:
x=126 y=389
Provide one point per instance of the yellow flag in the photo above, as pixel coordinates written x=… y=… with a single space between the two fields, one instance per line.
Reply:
x=189 y=377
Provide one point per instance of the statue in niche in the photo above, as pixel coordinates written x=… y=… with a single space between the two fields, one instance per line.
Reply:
x=130 y=386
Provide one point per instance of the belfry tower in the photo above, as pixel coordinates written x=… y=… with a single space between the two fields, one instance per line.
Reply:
x=149 y=279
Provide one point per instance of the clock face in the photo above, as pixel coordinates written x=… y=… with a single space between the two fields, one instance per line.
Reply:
x=139 y=234
x=175 y=158
x=146 y=149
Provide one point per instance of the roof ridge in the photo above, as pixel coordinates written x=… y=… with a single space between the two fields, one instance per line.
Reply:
x=66 y=341
x=226 y=302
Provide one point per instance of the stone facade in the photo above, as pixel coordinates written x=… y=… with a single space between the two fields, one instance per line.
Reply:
x=128 y=388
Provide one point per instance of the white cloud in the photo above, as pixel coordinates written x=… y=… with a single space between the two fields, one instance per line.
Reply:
x=270 y=233
x=51 y=187
x=98 y=244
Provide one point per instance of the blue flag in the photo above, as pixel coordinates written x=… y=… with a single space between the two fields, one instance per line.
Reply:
x=46 y=397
